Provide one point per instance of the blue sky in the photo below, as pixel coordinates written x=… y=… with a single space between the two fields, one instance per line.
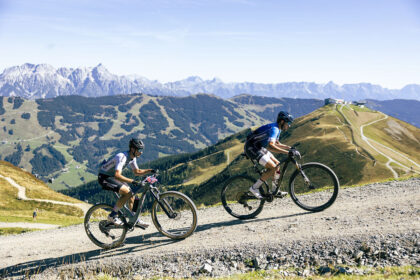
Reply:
x=234 y=40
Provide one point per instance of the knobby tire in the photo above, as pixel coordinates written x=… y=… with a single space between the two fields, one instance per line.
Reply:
x=231 y=193
x=188 y=214
x=93 y=229
x=318 y=174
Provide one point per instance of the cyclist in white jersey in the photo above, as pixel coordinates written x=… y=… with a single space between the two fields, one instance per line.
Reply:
x=110 y=178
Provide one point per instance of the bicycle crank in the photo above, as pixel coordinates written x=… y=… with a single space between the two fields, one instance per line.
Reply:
x=269 y=197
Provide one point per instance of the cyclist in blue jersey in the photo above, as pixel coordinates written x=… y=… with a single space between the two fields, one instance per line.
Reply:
x=110 y=178
x=263 y=140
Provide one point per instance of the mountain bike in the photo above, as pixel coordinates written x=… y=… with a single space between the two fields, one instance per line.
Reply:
x=312 y=186
x=173 y=214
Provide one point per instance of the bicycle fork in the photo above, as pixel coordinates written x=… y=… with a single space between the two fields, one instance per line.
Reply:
x=305 y=178
x=164 y=205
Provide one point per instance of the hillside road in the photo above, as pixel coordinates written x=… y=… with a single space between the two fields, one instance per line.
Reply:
x=22 y=196
x=378 y=209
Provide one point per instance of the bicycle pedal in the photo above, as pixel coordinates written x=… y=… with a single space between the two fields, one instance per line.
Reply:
x=281 y=195
x=142 y=227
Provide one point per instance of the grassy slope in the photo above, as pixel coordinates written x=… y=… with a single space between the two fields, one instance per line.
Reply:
x=22 y=130
x=34 y=188
x=14 y=210
x=200 y=174
x=236 y=116
x=334 y=137
x=29 y=132
x=395 y=134
x=324 y=135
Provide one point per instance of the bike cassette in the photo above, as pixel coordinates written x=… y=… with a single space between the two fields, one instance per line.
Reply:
x=103 y=228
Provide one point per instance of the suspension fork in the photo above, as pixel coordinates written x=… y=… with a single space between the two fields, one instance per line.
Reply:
x=163 y=203
x=299 y=168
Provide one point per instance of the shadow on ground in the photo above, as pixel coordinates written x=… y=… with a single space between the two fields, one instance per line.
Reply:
x=144 y=242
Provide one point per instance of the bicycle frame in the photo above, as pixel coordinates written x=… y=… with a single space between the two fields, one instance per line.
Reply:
x=156 y=195
x=285 y=163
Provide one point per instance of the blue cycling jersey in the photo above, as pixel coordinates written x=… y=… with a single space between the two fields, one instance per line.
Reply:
x=265 y=134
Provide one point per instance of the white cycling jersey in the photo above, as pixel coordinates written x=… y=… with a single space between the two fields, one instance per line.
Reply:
x=118 y=162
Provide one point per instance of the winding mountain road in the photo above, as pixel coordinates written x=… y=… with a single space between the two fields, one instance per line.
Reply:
x=369 y=140
x=22 y=196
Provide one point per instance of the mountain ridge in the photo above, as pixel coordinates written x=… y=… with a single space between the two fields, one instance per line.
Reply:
x=66 y=137
x=33 y=81
x=333 y=135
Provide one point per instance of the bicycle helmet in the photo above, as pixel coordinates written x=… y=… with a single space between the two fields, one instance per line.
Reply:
x=136 y=143
x=283 y=115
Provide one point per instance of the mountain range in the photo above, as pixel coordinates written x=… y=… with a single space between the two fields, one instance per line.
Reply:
x=67 y=136
x=361 y=145
x=32 y=81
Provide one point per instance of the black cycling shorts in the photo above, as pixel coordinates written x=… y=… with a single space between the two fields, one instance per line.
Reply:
x=109 y=183
x=254 y=152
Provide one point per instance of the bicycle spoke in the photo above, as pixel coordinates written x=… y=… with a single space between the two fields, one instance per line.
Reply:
x=316 y=189
x=102 y=232
x=237 y=199
x=178 y=218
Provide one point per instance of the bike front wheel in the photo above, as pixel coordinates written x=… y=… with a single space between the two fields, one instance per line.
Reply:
x=174 y=215
x=102 y=232
x=238 y=201
x=315 y=188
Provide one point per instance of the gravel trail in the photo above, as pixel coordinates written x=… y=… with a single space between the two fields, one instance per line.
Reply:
x=27 y=225
x=22 y=196
x=381 y=217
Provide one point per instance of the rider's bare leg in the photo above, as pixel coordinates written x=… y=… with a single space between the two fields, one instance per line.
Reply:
x=126 y=195
x=271 y=168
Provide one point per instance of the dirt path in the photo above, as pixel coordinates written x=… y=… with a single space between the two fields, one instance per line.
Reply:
x=364 y=138
x=352 y=140
x=27 y=225
x=390 y=160
x=377 y=209
x=369 y=141
x=22 y=196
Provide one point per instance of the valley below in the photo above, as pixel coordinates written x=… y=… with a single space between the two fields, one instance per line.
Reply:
x=373 y=225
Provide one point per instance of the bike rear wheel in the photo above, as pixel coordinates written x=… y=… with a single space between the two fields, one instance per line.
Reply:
x=102 y=232
x=174 y=215
x=238 y=201
x=319 y=192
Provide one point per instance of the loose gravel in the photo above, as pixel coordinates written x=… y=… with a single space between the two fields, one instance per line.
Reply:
x=374 y=225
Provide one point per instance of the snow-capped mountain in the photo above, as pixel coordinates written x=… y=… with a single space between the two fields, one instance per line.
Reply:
x=44 y=81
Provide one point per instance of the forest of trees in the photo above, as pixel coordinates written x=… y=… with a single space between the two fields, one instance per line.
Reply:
x=204 y=193
x=16 y=157
x=82 y=122
x=47 y=160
